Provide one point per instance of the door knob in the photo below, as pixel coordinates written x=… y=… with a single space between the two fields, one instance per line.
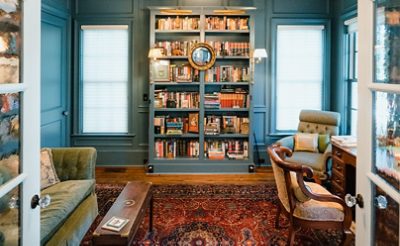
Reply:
x=353 y=200
x=43 y=202
x=381 y=202
x=65 y=113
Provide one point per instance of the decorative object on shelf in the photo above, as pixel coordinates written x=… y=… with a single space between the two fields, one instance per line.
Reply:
x=159 y=70
x=202 y=56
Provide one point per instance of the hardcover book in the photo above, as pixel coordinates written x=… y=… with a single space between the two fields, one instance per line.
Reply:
x=115 y=223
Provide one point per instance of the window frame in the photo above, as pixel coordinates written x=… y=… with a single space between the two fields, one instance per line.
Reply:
x=350 y=75
x=325 y=96
x=78 y=91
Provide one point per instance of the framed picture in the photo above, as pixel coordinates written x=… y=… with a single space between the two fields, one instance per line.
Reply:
x=194 y=122
x=159 y=71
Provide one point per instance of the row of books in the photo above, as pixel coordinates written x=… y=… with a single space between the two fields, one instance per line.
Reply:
x=228 y=74
x=183 y=73
x=227 y=23
x=173 y=148
x=168 y=99
x=176 y=125
x=176 y=48
x=216 y=124
x=226 y=100
x=178 y=23
x=226 y=149
x=227 y=48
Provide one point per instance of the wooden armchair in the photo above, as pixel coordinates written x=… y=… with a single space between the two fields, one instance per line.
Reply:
x=307 y=204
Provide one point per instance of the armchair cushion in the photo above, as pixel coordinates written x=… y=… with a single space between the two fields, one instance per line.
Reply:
x=306 y=142
x=298 y=193
x=314 y=160
x=318 y=211
x=65 y=197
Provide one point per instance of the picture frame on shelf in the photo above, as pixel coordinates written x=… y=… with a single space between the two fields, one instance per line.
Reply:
x=194 y=123
x=159 y=71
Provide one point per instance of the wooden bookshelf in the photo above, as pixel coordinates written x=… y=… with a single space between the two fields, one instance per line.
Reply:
x=224 y=91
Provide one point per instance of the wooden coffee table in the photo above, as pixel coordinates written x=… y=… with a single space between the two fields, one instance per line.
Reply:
x=131 y=204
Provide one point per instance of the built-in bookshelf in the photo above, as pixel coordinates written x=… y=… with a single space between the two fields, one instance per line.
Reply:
x=200 y=121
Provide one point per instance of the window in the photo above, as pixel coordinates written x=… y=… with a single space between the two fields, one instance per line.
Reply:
x=351 y=48
x=299 y=72
x=104 y=76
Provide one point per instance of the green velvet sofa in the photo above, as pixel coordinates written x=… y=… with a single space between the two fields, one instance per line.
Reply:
x=73 y=205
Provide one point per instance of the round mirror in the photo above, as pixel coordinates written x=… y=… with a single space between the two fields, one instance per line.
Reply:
x=202 y=56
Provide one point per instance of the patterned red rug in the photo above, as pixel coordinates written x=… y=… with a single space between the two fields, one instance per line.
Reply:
x=213 y=215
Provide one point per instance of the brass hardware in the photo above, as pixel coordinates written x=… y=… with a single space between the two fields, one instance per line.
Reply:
x=176 y=11
x=230 y=11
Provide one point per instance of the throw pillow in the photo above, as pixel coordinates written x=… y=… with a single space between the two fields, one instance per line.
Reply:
x=306 y=142
x=323 y=142
x=48 y=175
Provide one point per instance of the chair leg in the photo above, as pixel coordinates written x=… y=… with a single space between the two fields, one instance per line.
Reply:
x=347 y=237
x=278 y=214
x=292 y=233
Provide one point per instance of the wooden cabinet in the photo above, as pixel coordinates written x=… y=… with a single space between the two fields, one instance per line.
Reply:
x=343 y=170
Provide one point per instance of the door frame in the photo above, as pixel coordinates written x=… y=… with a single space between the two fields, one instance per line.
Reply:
x=366 y=87
x=28 y=180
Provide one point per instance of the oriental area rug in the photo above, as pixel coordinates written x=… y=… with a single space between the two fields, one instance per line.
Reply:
x=212 y=215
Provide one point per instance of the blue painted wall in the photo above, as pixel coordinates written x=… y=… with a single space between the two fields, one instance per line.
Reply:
x=132 y=149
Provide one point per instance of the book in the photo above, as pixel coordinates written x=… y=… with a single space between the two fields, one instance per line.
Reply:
x=115 y=223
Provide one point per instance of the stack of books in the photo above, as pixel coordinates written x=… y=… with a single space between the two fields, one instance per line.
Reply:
x=345 y=141
x=211 y=101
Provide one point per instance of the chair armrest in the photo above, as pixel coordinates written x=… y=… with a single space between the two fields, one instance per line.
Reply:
x=74 y=163
x=287 y=142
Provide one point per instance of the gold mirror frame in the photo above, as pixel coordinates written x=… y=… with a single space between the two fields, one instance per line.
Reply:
x=198 y=47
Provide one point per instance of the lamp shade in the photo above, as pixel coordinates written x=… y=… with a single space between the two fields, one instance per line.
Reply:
x=155 y=53
x=260 y=53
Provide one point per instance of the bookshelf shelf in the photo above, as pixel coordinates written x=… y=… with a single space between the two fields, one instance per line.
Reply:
x=227 y=136
x=227 y=110
x=176 y=135
x=214 y=136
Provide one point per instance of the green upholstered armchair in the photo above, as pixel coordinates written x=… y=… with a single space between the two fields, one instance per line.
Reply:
x=326 y=124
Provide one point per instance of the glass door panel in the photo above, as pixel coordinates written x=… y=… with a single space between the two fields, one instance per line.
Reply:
x=10 y=222
x=387 y=41
x=386 y=212
x=387 y=137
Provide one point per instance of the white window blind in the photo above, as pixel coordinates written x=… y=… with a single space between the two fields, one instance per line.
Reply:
x=104 y=62
x=299 y=72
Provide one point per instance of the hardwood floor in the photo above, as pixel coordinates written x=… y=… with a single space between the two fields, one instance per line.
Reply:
x=123 y=175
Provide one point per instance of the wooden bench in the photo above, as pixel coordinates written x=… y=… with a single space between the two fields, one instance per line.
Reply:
x=131 y=204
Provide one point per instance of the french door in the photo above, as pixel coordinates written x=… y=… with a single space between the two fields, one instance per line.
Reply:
x=19 y=121
x=378 y=157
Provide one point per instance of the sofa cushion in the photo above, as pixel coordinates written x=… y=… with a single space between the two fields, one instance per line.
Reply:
x=48 y=175
x=65 y=197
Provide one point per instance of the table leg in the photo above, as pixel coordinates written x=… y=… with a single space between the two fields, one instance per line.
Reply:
x=151 y=215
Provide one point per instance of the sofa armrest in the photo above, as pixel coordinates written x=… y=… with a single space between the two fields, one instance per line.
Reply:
x=287 y=142
x=74 y=163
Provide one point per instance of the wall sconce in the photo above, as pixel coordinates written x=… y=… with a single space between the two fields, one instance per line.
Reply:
x=259 y=54
x=155 y=53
